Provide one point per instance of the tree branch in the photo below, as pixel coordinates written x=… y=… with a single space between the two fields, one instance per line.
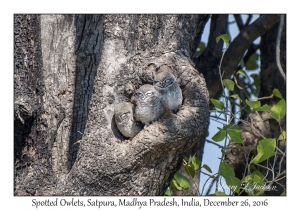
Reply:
x=208 y=62
x=248 y=20
x=239 y=21
x=239 y=45
x=278 y=47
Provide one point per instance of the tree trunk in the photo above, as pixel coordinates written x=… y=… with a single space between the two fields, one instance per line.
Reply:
x=83 y=63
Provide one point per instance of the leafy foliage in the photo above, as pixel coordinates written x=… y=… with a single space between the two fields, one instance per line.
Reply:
x=266 y=147
x=224 y=37
x=251 y=64
x=218 y=104
x=228 y=173
x=206 y=167
x=279 y=110
x=265 y=107
x=219 y=136
x=253 y=104
x=282 y=136
x=182 y=181
x=277 y=93
x=265 y=150
x=238 y=93
x=229 y=84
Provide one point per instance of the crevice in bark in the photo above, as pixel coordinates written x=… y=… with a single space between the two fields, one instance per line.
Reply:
x=88 y=42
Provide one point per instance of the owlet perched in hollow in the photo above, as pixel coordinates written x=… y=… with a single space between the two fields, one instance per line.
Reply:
x=148 y=104
x=166 y=84
x=124 y=118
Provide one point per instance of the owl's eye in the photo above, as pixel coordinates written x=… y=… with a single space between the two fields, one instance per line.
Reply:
x=157 y=83
x=123 y=116
x=149 y=93
x=167 y=81
x=140 y=95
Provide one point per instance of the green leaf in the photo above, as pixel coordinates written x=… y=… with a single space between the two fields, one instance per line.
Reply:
x=253 y=104
x=232 y=101
x=224 y=37
x=278 y=111
x=283 y=194
x=218 y=104
x=231 y=126
x=257 y=174
x=234 y=132
x=200 y=49
x=229 y=84
x=220 y=193
x=219 y=136
x=187 y=160
x=174 y=185
x=265 y=150
x=201 y=46
x=233 y=183
x=168 y=192
x=256 y=177
x=242 y=72
x=226 y=170
x=235 y=96
x=282 y=136
x=228 y=173
x=277 y=93
x=182 y=180
x=207 y=168
x=189 y=170
x=251 y=63
x=247 y=178
x=235 y=135
x=195 y=163
x=265 y=107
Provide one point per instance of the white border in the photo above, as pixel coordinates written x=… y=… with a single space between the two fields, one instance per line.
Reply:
x=155 y=6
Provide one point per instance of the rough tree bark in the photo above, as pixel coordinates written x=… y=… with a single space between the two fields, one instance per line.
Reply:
x=33 y=170
x=82 y=63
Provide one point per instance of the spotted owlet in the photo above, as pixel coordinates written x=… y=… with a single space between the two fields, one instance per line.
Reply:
x=148 y=104
x=166 y=84
x=124 y=118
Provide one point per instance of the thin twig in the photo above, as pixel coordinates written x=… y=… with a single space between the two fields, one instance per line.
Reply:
x=266 y=97
x=278 y=47
x=279 y=170
x=212 y=142
x=279 y=150
x=273 y=166
x=210 y=186
x=237 y=84
x=263 y=167
x=280 y=179
x=272 y=182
